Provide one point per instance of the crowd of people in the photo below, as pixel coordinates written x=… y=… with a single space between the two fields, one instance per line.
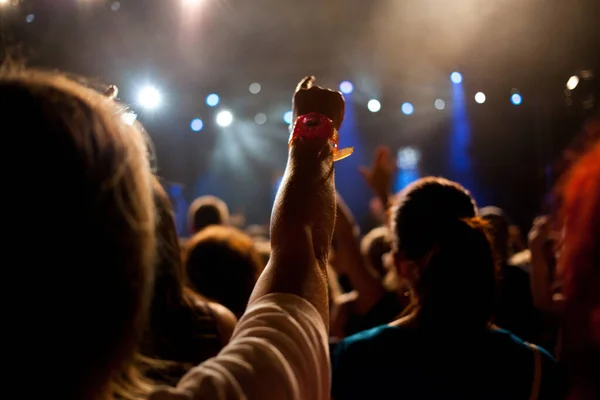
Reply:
x=441 y=301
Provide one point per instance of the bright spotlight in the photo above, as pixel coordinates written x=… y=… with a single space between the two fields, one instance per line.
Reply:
x=260 y=118
x=224 y=118
x=2 y=2
x=254 y=88
x=516 y=99
x=456 y=77
x=212 y=100
x=346 y=87
x=149 y=97
x=408 y=108
x=573 y=82
x=287 y=117
x=439 y=104
x=408 y=158
x=374 y=105
x=197 y=125
x=480 y=97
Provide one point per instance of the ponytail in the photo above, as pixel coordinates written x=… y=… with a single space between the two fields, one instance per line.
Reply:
x=457 y=280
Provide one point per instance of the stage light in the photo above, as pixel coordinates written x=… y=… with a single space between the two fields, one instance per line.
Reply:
x=197 y=125
x=260 y=118
x=30 y=18
x=480 y=97
x=516 y=99
x=407 y=108
x=212 y=100
x=456 y=77
x=346 y=87
x=408 y=158
x=149 y=97
x=224 y=118
x=254 y=88
x=3 y=2
x=573 y=82
x=115 y=6
x=374 y=105
x=287 y=117
x=439 y=104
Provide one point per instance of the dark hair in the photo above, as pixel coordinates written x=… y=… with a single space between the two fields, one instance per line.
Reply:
x=206 y=211
x=223 y=265
x=434 y=225
x=179 y=330
x=420 y=205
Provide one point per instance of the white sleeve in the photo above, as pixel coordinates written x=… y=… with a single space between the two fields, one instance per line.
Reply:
x=279 y=350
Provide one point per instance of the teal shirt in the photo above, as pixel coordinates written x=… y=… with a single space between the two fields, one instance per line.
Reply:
x=406 y=363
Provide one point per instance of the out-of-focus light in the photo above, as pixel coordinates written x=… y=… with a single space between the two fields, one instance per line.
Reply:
x=287 y=117
x=212 y=100
x=224 y=118
x=30 y=18
x=260 y=118
x=149 y=97
x=456 y=77
x=374 y=105
x=573 y=82
x=197 y=125
x=191 y=2
x=516 y=99
x=115 y=6
x=254 y=88
x=408 y=108
x=408 y=158
x=346 y=87
x=129 y=117
x=480 y=97
x=439 y=104
x=2 y=2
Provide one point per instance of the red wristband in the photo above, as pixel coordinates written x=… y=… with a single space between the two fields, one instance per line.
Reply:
x=317 y=126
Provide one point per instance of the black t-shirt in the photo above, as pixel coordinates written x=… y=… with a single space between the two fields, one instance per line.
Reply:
x=408 y=363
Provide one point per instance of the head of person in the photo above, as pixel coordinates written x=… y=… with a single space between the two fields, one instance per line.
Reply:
x=170 y=281
x=90 y=277
x=442 y=251
x=579 y=267
x=374 y=246
x=222 y=264
x=206 y=211
x=499 y=230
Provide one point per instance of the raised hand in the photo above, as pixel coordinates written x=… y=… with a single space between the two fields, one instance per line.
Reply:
x=379 y=175
x=309 y=98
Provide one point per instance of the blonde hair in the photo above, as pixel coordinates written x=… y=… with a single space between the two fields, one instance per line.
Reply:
x=87 y=179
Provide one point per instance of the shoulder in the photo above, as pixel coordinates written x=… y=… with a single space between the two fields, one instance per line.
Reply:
x=225 y=320
x=354 y=349
x=517 y=349
x=358 y=357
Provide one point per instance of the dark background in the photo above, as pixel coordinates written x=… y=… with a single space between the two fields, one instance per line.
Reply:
x=391 y=50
